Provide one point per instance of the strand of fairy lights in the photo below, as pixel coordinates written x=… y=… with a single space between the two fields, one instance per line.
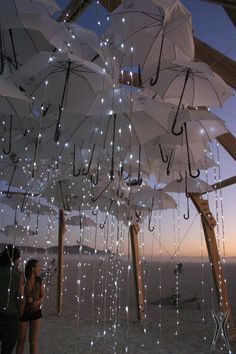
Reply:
x=220 y=280
x=143 y=263
x=160 y=275
x=211 y=265
x=127 y=295
x=202 y=282
x=176 y=257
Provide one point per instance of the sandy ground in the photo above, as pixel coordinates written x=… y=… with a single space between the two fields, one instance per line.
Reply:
x=107 y=322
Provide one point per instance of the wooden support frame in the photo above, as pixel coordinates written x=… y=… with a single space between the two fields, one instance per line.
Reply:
x=134 y=230
x=209 y=223
x=60 y=260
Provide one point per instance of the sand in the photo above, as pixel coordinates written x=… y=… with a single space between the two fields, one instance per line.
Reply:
x=101 y=324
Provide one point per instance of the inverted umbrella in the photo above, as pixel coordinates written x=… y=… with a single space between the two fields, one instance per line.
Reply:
x=12 y=100
x=147 y=198
x=76 y=81
x=150 y=33
x=188 y=185
x=188 y=83
x=80 y=220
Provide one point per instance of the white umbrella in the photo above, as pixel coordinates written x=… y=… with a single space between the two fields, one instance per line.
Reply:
x=188 y=185
x=76 y=81
x=43 y=7
x=188 y=83
x=16 y=230
x=147 y=33
x=12 y=100
x=147 y=198
x=93 y=49
x=80 y=220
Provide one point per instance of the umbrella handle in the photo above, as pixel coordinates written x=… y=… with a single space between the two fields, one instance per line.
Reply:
x=22 y=209
x=84 y=171
x=153 y=81
x=188 y=154
x=150 y=217
x=180 y=178
x=164 y=159
x=7 y=152
x=95 y=182
x=180 y=101
x=95 y=213
x=75 y=174
x=102 y=225
x=186 y=217
x=14 y=158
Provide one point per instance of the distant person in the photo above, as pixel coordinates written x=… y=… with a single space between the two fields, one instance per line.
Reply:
x=32 y=314
x=11 y=298
x=178 y=268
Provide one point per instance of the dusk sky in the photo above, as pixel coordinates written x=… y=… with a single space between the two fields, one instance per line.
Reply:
x=210 y=24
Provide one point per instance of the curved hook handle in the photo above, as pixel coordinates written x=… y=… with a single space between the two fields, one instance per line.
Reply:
x=192 y=175
x=95 y=213
x=154 y=80
x=14 y=158
x=22 y=209
x=173 y=126
x=75 y=174
x=164 y=159
x=150 y=217
x=179 y=105
x=186 y=217
x=149 y=224
x=8 y=151
x=180 y=179
x=102 y=225
x=84 y=171
x=188 y=155
x=95 y=182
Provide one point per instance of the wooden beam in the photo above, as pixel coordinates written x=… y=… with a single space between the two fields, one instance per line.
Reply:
x=134 y=230
x=227 y=182
x=73 y=10
x=60 y=260
x=228 y=141
x=214 y=257
x=218 y=62
x=224 y=3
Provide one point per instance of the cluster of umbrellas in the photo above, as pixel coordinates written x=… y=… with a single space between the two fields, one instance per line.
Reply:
x=77 y=133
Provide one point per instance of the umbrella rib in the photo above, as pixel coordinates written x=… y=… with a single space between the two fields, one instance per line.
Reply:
x=11 y=105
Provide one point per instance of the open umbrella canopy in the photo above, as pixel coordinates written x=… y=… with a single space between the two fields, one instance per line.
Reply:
x=191 y=82
x=188 y=185
x=43 y=7
x=147 y=197
x=150 y=33
x=80 y=220
x=12 y=100
x=17 y=230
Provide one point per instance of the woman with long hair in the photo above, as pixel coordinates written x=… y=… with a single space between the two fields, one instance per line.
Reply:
x=11 y=297
x=34 y=292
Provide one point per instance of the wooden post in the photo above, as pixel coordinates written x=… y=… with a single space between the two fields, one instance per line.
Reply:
x=134 y=230
x=60 y=260
x=208 y=223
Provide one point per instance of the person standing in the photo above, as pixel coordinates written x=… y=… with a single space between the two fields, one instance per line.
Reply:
x=32 y=314
x=11 y=298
